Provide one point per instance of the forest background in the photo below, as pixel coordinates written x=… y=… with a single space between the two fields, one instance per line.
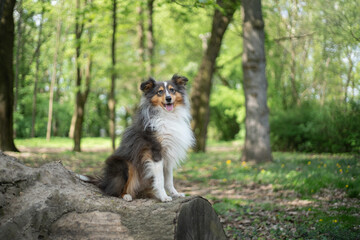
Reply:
x=312 y=56
x=78 y=66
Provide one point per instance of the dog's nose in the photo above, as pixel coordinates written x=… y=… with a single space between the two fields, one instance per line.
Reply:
x=168 y=98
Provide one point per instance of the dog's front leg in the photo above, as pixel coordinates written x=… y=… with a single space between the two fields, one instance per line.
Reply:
x=157 y=172
x=169 y=182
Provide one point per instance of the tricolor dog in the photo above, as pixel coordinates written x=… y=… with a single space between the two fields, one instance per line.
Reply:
x=153 y=146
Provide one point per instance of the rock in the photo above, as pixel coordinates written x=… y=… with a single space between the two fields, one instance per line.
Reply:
x=51 y=203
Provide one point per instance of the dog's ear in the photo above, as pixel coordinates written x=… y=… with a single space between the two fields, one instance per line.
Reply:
x=148 y=85
x=179 y=80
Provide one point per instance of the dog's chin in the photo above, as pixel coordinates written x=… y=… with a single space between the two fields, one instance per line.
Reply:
x=168 y=107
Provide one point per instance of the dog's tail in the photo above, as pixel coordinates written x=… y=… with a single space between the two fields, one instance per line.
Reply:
x=96 y=180
x=114 y=178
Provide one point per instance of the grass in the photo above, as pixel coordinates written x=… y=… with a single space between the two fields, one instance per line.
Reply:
x=304 y=173
x=59 y=142
x=297 y=196
x=307 y=176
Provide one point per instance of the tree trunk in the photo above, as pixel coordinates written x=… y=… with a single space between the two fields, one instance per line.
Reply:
x=293 y=18
x=53 y=79
x=294 y=92
x=81 y=97
x=111 y=101
x=33 y=117
x=78 y=106
x=6 y=75
x=257 y=140
x=50 y=202
x=349 y=76
x=150 y=37
x=36 y=79
x=57 y=95
x=202 y=84
x=79 y=119
x=141 y=40
x=18 y=51
x=72 y=125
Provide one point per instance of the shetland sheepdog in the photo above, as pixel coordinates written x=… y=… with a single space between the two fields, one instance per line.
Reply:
x=153 y=146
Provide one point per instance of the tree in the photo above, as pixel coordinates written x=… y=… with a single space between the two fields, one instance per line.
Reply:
x=202 y=84
x=18 y=47
x=257 y=139
x=53 y=78
x=150 y=36
x=36 y=79
x=141 y=38
x=6 y=75
x=291 y=27
x=81 y=96
x=111 y=101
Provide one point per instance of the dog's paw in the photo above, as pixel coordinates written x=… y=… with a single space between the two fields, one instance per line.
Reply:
x=166 y=199
x=127 y=197
x=178 y=195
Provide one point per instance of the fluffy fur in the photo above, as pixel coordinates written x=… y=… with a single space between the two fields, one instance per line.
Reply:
x=153 y=146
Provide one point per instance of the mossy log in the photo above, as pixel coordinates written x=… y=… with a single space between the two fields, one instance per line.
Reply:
x=50 y=202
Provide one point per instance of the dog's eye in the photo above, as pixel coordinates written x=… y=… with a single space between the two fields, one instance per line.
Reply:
x=160 y=92
x=172 y=90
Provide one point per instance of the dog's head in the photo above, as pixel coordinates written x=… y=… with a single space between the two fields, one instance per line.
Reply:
x=167 y=95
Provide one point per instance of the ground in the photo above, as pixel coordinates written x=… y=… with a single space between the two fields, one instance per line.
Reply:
x=298 y=196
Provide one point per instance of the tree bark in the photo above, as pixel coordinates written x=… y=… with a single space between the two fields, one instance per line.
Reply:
x=202 y=84
x=18 y=51
x=50 y=202
x=348 y=75
x=111 y=101
x=36 y=79
x=257 y=140
x=81 y=96
x=72 y=125
x=79 y=110
x=6 y=75
x=57 y=95
x=53 y=79
x=291 y=28
x=150 y=36
x=141 y=39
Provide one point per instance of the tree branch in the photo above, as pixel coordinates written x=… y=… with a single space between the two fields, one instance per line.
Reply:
x=293 y=37
x=229 y=61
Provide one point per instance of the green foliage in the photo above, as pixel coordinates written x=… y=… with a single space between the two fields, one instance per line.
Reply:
x=227 y=112
x=62 y=119
x=319 y=52
x=98 y=118
x=23 y=117
x=315 y=128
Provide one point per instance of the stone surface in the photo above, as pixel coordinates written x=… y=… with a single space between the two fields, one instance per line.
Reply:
x=51 y=203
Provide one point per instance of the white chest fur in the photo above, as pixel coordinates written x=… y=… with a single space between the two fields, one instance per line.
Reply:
x=175 y=134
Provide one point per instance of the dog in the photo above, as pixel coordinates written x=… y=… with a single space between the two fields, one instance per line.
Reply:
x=153 y=146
